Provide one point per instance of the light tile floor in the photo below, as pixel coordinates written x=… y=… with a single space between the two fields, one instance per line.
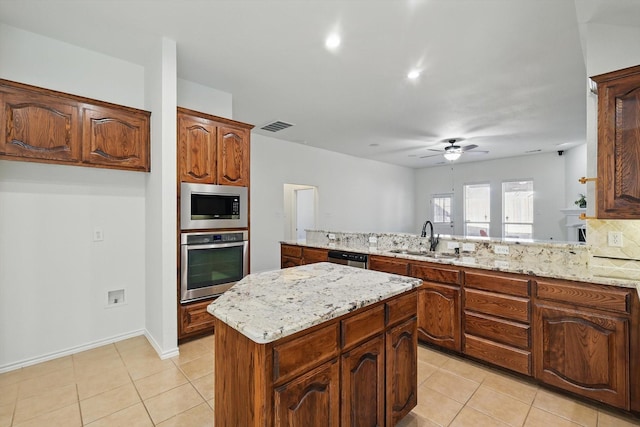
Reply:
x=126 y=384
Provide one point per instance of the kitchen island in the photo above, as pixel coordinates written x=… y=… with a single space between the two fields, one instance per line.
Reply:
x=316 y=345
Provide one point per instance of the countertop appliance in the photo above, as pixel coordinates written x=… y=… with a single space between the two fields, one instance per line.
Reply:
x=212 y=262
x=208 y=206
x=349 y=258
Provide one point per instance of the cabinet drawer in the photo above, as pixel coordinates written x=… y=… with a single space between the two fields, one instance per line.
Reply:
x=196 y=318
x=291 y=251
x=296 y=356
x=389 y=265
x=402 y=308
x=361 y=326
x=498 y=354
x=599 y=297
x=495 y=329
x=495 y=283
x=435 y=274
x=509 y=307
x=310 y=256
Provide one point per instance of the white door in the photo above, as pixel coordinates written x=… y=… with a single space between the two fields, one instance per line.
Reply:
x=442 y=213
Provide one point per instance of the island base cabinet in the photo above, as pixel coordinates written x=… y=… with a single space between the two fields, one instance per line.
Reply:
x=402 y=368
x=585 y=353
x=363 y=384
x=311 y=400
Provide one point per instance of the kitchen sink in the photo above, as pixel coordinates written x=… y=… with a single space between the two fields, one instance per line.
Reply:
x=426 y=254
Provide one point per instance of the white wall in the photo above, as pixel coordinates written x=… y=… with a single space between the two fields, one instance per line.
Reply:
x=548 y=174
x=575 y=160
x=160 y=202
x=353 y=194
x=53 y=278
x=201 y=98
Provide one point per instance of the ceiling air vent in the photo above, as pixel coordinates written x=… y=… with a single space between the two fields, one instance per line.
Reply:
x=276 y=126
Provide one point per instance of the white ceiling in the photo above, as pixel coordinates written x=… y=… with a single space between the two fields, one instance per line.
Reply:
x=506 y=75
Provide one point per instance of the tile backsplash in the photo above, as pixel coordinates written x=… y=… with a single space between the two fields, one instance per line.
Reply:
x=609 y=261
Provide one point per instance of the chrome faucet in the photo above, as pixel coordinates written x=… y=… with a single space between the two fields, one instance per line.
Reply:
x=433 y=241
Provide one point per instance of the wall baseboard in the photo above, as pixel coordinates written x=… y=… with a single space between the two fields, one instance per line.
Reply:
x=162 y=354
x=78 y=349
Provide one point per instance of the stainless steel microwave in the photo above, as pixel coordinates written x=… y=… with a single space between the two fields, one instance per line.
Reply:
x=208 y=206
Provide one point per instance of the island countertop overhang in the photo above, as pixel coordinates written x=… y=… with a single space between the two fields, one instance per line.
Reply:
x=275 y=304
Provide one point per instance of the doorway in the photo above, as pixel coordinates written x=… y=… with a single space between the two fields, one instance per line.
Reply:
x=300 y=208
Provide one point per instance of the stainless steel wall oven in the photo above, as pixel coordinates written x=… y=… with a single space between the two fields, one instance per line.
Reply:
x=212 y=262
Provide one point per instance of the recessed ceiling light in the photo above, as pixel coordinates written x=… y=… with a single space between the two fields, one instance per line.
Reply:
x=413 y=74
x=332 y=42
x=374 y=145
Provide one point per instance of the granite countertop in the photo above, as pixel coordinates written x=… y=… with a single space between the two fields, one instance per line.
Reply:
x=542 y=262
x=274 y=304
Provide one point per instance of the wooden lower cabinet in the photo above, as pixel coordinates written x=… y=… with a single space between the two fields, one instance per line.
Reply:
x=497 y=320
x=194 y=319
x=356 y=370
x=313 y=399
x=439 y=315
x=293 y=255
x=585 y=353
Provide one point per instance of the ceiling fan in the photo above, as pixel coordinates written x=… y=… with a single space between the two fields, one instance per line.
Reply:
x=453 y=152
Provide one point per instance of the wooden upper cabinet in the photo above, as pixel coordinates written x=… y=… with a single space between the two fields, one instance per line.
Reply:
x=112 y=137
x=38 y=126
x=618 y=185
x=233 y=156
x=212 y=150
x=42 y=125
x=196 y=149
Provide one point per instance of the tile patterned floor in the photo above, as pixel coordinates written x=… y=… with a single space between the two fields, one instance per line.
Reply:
x=126 y=384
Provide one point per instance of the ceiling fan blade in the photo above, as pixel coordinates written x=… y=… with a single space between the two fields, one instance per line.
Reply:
x=469 y=147
x=430 y=155
x=477 y=152
x=433 y=149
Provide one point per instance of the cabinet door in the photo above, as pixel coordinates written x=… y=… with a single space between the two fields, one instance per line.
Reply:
x=618 y=185
x=310 y=400
x=439 y=315
x=115 y=138
x=583 y=352
x=37 y=126
x=363 y=384
x=233 y=156
x=402 y=367
x=196 y=149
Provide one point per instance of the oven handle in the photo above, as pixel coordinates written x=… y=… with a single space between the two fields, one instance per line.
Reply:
x=214 y=245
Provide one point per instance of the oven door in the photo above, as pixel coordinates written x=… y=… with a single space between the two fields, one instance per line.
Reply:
x=210 y=269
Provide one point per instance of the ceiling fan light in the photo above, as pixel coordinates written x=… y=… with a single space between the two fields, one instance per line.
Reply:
x=452 y=155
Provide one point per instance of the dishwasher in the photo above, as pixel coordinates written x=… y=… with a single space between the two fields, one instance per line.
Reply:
x=349 y=258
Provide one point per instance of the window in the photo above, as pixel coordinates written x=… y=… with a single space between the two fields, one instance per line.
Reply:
x=477 y=209
x=517 y=209
x=442 y=214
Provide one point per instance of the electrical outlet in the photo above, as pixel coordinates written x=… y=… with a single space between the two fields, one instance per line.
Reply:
x=500 y=264
x=373 y=239
x=501 y=250
x=614 y=239
x=453 y=245
x=98 y=235
x=332 y=236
